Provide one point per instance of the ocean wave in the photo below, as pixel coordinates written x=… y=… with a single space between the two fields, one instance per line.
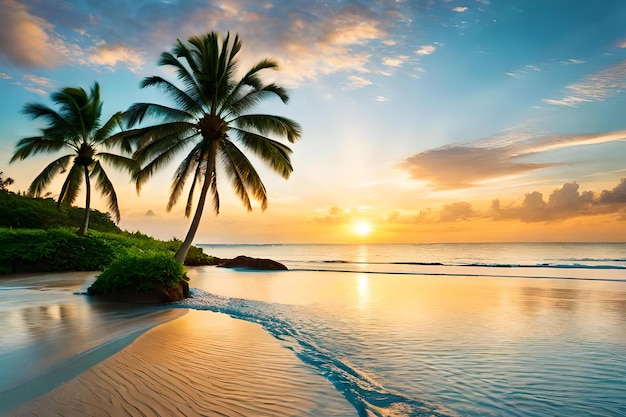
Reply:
x=369 y=397
x=474 y=264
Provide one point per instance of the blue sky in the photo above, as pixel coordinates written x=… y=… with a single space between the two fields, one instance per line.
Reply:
x=439 y=120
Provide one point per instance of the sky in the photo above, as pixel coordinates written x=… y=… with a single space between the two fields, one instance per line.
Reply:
x=423 y=120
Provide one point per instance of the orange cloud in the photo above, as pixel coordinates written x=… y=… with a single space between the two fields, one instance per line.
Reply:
x=467 y=164
x=564 y=203
x=25 y=39
x=111 y=55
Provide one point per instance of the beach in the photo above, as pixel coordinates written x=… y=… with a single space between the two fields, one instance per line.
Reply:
x=196 y=365
x=412 y=330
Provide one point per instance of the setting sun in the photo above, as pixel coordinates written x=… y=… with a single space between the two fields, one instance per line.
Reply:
x=362 y=228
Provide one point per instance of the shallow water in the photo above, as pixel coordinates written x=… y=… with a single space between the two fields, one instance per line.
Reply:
x=398 y=345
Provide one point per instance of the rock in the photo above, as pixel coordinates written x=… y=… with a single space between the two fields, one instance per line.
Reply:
x=258 y=264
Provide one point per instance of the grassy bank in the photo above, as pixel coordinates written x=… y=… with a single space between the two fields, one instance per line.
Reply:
x=36 y=236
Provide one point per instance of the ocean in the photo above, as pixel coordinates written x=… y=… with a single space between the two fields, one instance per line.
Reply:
x=515 y=329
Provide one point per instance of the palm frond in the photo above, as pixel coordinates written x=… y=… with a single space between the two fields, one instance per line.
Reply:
x=241 y=100
x=37 y=144
x=71 y=186
x=180 y=97
x=138 y=111
x=125 y=140
x=244 y=178
x=159 y=138
x=215 y=196
x=269 y=124
x=273 y=153
x=182 y=72
x=183 y=170
x=104 y=185
x=120 y=162
x=42 y=180
x=106 y=131
x=162 y=158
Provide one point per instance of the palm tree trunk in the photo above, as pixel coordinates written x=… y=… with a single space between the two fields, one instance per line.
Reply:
x=85 y=225
x=181 y=254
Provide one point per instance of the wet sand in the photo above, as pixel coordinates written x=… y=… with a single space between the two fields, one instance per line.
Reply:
x=201 y=364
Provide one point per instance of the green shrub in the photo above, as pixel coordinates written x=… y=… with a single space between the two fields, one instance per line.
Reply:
x=32 y=250
x=197 y=257
x=140 y=270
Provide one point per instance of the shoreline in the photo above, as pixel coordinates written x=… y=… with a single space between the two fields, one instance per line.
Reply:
x=200 y=363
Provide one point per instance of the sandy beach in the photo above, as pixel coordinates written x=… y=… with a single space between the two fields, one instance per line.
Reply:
x=201 y=364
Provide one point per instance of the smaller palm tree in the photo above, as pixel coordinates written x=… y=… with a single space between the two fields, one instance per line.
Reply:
x=76 y=126
x=4 y=183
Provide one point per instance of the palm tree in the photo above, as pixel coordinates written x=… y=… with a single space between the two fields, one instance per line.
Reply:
x=211 y=114
x=76 y=126
x=4 y=183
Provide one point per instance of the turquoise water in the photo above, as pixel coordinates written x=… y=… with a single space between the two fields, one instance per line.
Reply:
x=472 y=330
x=399 y=330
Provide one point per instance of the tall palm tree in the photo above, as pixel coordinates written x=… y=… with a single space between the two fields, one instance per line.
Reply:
x=211 y=118
x=76 y=126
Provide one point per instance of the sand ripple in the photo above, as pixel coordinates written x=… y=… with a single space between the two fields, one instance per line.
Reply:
x=202 y=364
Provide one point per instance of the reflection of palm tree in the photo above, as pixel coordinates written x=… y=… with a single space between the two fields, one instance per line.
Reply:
x=211 y=110
x=76 y=126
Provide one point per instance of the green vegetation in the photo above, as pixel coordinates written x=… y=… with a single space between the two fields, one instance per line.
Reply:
x=22 y=212
x=211 y=118
x=76 y=127
x=31 y=250
x=140 y=271
x=35 y=236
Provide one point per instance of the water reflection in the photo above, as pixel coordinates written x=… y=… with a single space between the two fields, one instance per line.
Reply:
x=363 y=290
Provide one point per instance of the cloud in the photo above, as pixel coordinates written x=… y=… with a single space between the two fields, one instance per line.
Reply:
x=395 y=62
x=596 y=87
x=572 y=61
x=335 y=216
x=468 y=164
x=26 y=40
x=524 y=71
x=36 y=84
x=111 y=55
x=426 y=50
x=564 y=203
x=460 y=9
x=622 y=45
x=356 y=81
x=457 y=211
x=5 y=76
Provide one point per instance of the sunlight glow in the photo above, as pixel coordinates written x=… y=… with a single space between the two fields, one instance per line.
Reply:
x=362 y=228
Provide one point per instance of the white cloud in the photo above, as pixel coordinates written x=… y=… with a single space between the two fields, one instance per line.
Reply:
x=426 y=50
x=36 y=84
x=395 y=62
x=5 y=76
x=356 y=81
x=573 y=62
x=460 y=9
x=595 y=87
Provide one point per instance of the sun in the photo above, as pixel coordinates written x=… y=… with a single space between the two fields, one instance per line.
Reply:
x=362 y=228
